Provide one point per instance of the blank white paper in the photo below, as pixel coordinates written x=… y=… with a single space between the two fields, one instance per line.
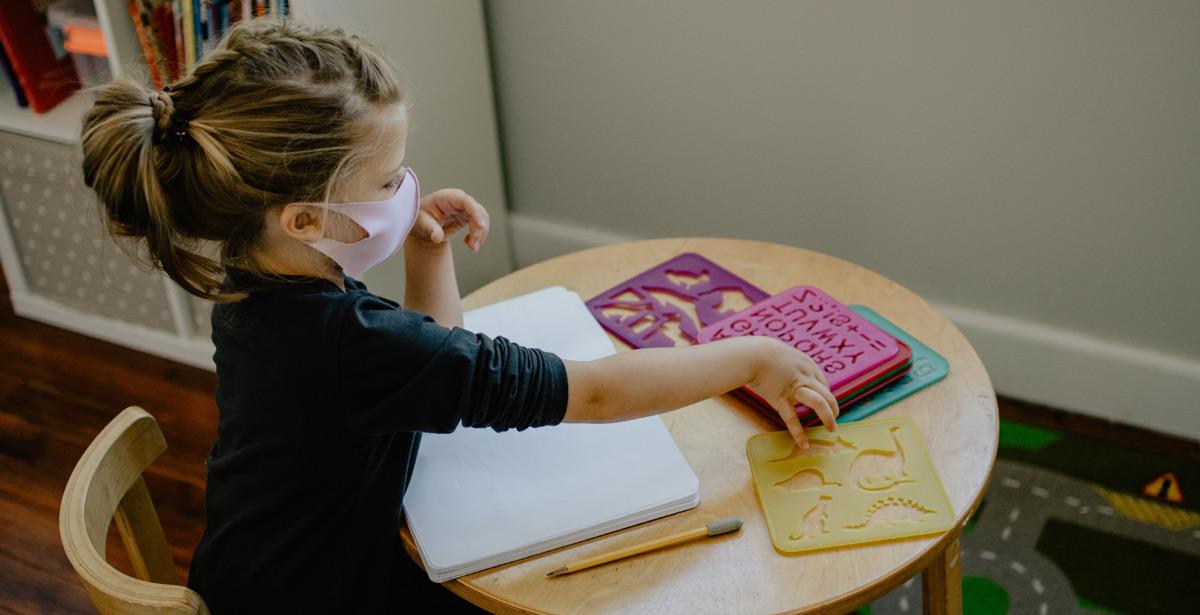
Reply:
x=480 y=498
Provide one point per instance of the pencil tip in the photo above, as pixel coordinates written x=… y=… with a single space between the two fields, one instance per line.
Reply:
x=557 y=571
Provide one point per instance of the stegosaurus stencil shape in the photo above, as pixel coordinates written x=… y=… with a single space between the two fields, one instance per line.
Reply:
x=891 y=510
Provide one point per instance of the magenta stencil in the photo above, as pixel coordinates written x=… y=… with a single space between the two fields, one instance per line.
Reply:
x=844 y=344
x=667 y=304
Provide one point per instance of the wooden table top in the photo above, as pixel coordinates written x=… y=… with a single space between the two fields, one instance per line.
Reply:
x=742 y=572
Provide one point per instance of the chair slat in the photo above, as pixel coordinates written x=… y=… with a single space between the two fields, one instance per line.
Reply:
x=143 y=537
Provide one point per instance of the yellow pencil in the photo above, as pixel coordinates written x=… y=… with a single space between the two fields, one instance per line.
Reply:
x=715 y=528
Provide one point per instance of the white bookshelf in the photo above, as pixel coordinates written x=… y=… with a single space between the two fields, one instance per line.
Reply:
x=61 y=126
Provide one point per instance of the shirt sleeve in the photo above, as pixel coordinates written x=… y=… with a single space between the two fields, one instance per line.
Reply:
x=402 y=371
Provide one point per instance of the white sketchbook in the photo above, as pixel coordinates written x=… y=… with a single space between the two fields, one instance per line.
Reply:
x=480 y=499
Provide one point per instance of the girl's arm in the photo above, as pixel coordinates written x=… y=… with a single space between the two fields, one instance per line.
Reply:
x=429 y=283
x=640 y=383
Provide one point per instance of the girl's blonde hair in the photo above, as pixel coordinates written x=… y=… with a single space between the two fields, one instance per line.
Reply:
x=272 y=116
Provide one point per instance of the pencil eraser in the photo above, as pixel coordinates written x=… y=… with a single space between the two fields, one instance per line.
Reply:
x=724 y=526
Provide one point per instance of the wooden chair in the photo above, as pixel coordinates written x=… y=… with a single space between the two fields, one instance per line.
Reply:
x=105 y=486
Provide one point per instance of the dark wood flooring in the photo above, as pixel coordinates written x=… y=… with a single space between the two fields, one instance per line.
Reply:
x=58 y=389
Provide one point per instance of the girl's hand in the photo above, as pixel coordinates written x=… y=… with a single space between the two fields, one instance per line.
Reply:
x=445 y=212
x=786 y=377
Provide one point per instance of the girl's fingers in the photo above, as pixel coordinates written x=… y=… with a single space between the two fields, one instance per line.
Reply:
x=824 y=392
x=830 y=399
x=428 y=228
x=480 y=223
x=455 y=210
x=814 y=400
x=787 y=411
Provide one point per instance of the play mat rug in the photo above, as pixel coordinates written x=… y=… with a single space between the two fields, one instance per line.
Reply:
x=1075 y=525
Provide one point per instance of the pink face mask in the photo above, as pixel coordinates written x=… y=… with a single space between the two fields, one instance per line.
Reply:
x=386 y=222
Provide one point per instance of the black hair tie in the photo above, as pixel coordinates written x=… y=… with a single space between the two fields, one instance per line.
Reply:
x=167 y=123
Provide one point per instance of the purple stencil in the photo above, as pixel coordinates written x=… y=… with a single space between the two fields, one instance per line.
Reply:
x=640 y=308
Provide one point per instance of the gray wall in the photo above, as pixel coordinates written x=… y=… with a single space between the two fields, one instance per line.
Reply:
x=1034 y=160
x=1031 y=167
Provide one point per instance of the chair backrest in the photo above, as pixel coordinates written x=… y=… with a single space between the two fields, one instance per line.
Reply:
x=107 y=486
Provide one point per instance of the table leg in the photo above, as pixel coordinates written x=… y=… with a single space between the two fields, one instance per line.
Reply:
x=941 y=583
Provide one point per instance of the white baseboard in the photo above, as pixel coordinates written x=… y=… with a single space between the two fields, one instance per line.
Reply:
x=194 y=351
x=1026 y=360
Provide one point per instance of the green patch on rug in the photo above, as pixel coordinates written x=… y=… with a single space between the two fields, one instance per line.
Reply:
x=983 y=596
x=1088 y=605
x=1027 y=437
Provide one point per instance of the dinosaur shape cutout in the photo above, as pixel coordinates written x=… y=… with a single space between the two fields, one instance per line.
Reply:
x=723 y=301
x=892 y=510
x=814 y=520
x=808 y=478
x=877 y=469
x=686 y=279
x=817 y=446
x=672 y=304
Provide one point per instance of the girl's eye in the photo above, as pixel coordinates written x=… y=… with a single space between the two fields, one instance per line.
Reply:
x=395 y=183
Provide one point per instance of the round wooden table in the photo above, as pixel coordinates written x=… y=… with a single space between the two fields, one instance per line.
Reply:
x=742 y=572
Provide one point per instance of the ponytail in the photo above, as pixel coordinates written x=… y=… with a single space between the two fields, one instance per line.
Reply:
x=124 y=136
x=273 y=116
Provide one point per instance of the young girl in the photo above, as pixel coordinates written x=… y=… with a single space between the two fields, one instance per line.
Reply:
x=268 y=181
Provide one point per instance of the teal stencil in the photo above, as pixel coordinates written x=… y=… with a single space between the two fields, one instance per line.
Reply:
x=928 y=367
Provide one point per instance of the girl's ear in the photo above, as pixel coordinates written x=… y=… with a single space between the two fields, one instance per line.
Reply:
x=302 y=222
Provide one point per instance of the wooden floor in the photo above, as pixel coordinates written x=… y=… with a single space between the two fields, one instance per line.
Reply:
x=58 y=389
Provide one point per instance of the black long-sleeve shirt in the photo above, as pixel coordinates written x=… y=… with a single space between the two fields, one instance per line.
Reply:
x=322 y=397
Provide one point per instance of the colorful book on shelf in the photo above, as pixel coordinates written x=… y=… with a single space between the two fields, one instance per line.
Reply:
x=175 y=34
x=45 y=78
x=181 y=65
x=85 y=40
x=163 y=25
x=855 y=356
x=143 y=26
x=212 y=26
x=187 y=33
x=200 y=22
x=9 y=74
